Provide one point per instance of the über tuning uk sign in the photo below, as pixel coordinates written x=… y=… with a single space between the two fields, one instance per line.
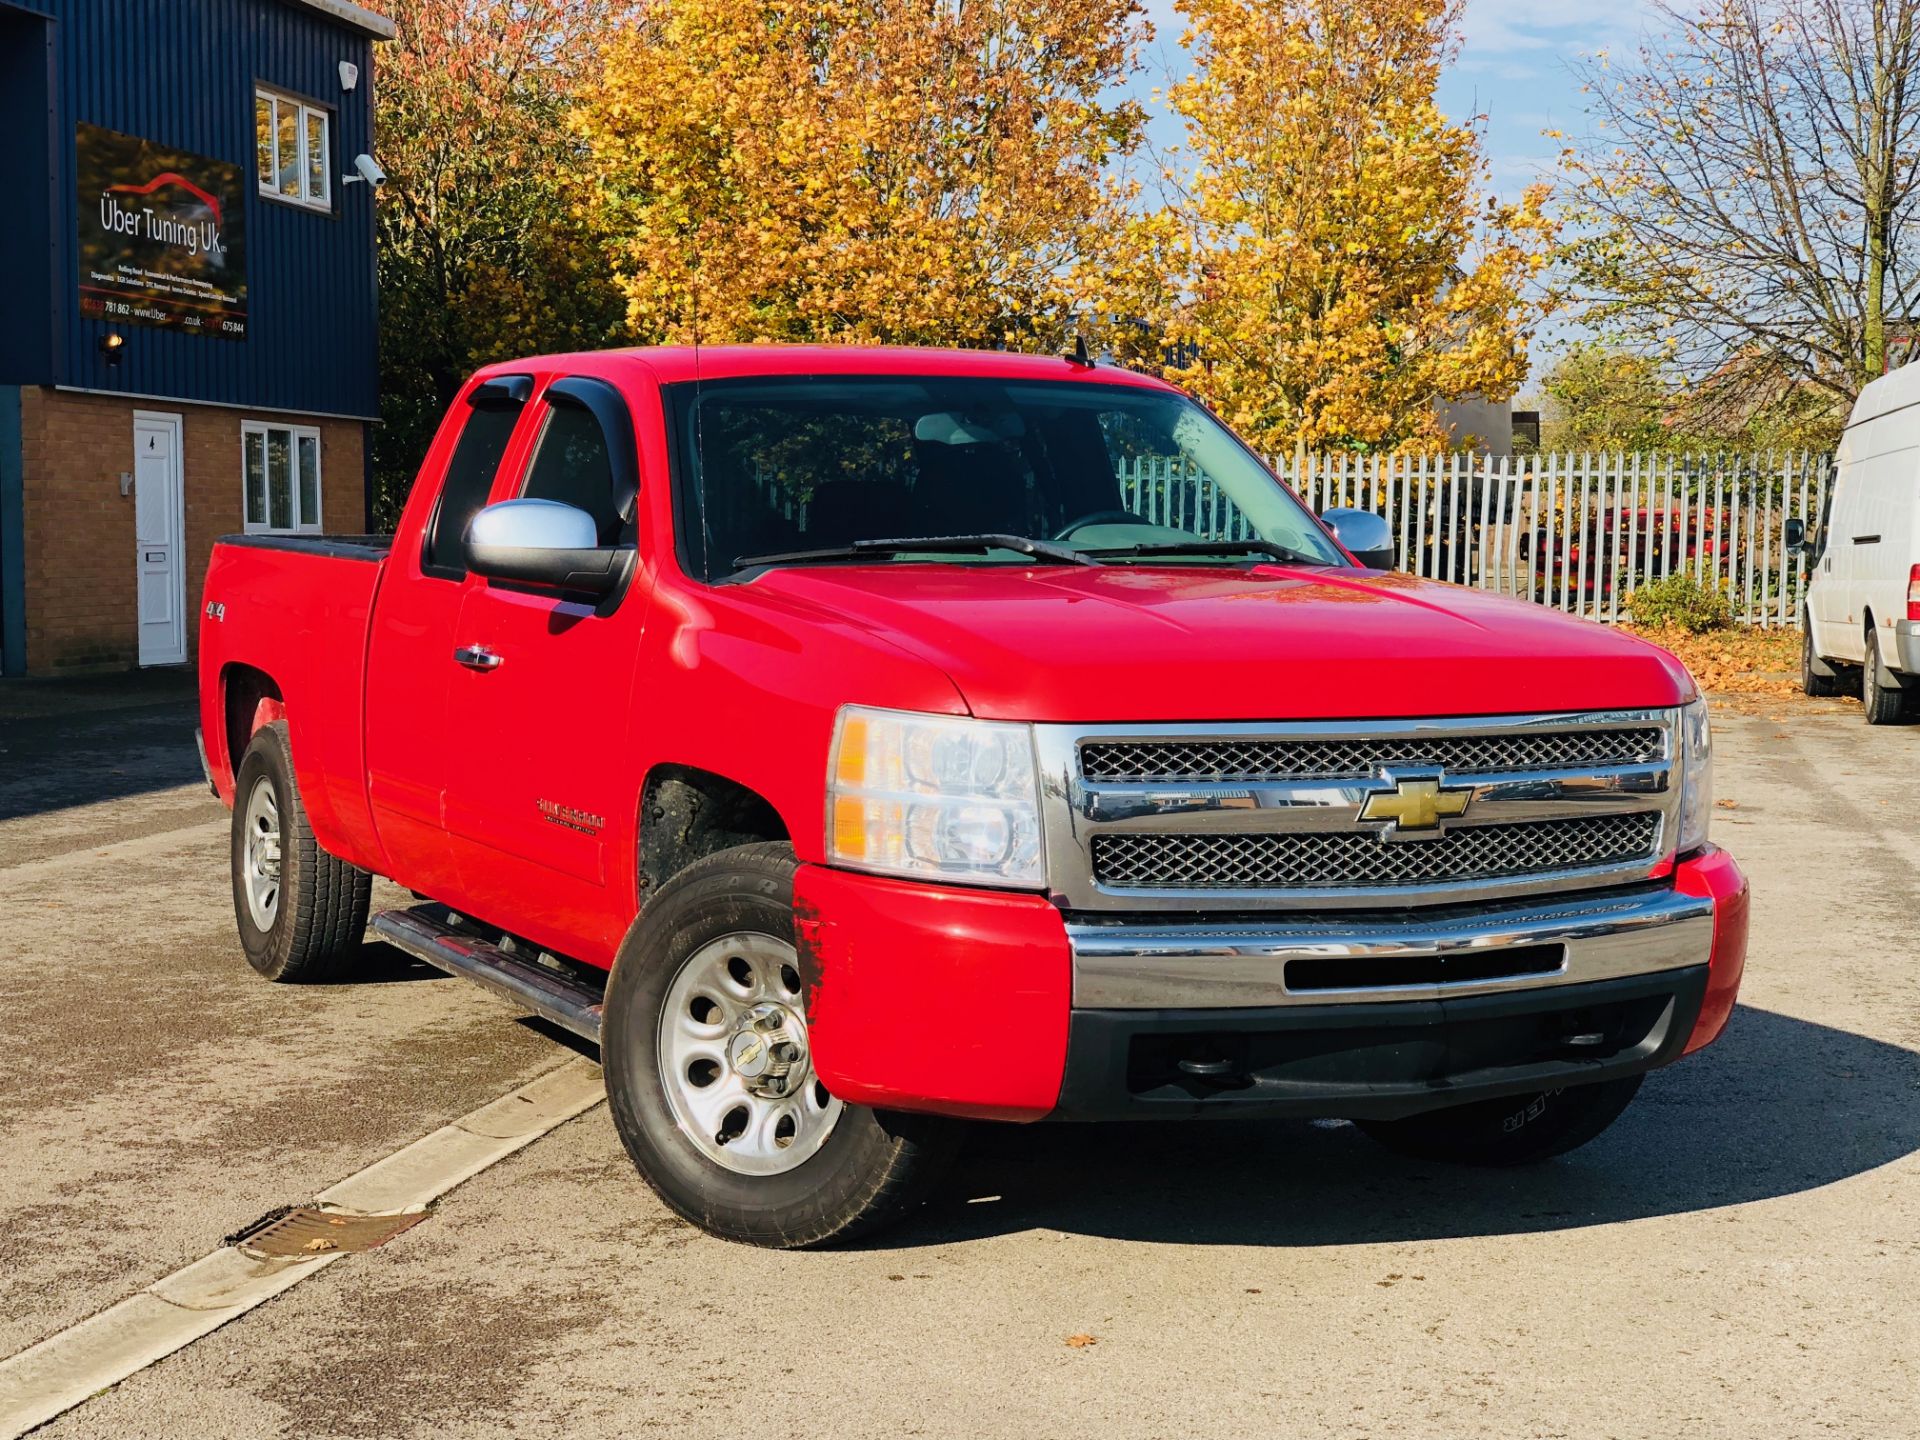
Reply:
x=162 y=236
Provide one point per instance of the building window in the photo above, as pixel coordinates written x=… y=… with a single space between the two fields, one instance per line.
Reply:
x=292 y=149
x=282 y=470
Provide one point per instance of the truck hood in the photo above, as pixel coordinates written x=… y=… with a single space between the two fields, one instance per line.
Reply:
x=1149 y=644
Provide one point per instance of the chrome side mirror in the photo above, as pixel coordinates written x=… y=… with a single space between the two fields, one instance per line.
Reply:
x=1365 y=534
x=542 y=542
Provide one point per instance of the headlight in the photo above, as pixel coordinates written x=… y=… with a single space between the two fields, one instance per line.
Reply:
x=934 y=795
x=1696 y=774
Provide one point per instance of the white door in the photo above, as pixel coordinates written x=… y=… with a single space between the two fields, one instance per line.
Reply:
x=159 y=520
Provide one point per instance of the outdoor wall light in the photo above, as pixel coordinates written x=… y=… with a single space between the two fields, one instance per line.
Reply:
x=113 y=347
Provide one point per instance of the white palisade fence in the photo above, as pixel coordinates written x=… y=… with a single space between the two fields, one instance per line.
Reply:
x=1579 y=532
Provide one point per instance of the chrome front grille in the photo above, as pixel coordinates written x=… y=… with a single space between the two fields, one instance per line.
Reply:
x=1254 y=761
x=1133 y=860
x=1327 y=815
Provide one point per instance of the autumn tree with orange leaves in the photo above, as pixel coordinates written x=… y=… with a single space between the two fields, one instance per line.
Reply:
x=481 y=254
x=1326 y=266
x=861 y=170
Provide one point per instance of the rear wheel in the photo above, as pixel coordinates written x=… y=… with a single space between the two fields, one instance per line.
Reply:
x=710 y=1074
x=301 y=912
x=1517 y=1130
x=1816 y=676
x=1882 y=694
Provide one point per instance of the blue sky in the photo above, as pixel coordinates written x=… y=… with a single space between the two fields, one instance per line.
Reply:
x=1512 y=69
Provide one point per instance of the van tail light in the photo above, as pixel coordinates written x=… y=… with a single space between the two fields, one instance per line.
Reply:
x=1913 y=593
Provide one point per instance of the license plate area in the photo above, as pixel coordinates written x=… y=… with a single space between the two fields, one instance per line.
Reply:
x=1458 y=967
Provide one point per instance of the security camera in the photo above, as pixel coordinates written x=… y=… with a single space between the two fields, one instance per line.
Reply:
x=368 y=169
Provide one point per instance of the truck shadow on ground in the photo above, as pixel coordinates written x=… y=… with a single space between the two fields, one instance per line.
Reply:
x=55 y=762
x=1777 y=1107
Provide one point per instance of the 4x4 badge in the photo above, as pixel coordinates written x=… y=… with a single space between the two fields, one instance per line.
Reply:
x=1416 y=807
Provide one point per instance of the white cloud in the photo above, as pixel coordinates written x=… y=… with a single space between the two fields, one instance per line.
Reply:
x=1494 y=30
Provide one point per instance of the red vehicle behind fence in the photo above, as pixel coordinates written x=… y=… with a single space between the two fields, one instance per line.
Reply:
x=1617 y=551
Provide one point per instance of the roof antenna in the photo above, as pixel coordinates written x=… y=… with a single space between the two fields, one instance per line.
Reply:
x=1080 y=355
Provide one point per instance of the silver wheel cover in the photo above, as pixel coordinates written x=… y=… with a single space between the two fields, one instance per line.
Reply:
x=260 y=857
x=734 y=1059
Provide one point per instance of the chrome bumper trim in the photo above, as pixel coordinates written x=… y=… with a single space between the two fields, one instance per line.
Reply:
x=1238 y=965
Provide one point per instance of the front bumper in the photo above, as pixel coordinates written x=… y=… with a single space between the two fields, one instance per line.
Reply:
x=1377 y=1061
x=977 y=1003
x=1323 y=961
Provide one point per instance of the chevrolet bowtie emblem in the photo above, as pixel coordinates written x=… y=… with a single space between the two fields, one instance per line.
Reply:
x=1414 y=806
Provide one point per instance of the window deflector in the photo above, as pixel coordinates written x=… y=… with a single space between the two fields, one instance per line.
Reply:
x=609 y=408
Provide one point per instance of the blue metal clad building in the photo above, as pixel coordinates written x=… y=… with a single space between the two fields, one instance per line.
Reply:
x=188 y=314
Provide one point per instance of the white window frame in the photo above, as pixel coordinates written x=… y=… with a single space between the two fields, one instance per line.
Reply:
x=303 y=524
x=269 y=185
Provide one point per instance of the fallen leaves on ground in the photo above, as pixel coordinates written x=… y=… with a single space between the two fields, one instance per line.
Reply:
x=1739 y=661
x=1081 y=1342
x=1748 y=671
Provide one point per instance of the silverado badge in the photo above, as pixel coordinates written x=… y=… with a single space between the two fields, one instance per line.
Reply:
x=1416 y=807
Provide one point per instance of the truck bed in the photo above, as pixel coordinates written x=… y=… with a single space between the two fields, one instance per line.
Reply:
x=289 y=616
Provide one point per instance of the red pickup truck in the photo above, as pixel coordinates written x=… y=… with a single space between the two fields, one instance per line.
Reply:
x=818 y=732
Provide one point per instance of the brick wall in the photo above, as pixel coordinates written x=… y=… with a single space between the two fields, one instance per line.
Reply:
x=80 y=606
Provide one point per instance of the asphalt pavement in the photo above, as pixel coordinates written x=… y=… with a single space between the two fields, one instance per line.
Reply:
x=1738 y=1256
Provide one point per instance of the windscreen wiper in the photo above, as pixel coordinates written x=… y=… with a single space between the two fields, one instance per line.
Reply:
x=1208 y=547
x=930 y=544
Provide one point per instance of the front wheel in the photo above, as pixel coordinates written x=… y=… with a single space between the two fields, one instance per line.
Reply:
x=1517 y=1130
x=1816 y=676
x=710 y=1074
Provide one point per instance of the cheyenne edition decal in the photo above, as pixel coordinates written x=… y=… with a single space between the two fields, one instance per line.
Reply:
x=566 y=816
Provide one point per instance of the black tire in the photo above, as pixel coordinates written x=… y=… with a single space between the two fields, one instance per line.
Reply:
x=1817 y=678
x=1516 y=1130
x=872 y=1168
x=319 y=914
x=1884 y=698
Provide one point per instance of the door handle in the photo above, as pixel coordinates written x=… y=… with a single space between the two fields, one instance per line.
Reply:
x=476 y=657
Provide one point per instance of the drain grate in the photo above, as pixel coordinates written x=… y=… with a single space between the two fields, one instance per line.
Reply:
x=304 y=1231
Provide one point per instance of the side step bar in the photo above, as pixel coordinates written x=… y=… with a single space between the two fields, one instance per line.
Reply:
x=425 y=936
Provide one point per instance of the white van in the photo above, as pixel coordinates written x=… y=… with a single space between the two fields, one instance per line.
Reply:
x=1863 y=602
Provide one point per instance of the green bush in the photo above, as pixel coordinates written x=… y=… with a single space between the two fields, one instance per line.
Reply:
x=1682 y=600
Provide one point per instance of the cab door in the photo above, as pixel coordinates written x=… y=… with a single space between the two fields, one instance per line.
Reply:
x=408 y=667
x=544 y=785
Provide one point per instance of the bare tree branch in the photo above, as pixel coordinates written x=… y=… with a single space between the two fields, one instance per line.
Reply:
x=1750 y=189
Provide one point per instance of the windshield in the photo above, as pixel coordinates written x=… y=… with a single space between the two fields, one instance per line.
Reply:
x=811 y=470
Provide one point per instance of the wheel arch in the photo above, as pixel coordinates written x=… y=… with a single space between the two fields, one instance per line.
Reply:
x=250 y=699
x=687 y=813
